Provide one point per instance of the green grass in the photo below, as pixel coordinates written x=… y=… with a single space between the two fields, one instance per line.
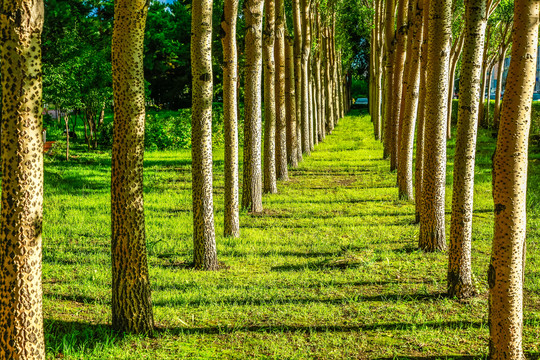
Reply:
x=330 y=270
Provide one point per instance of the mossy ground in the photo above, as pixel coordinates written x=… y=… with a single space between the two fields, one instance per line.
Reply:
x=330 y=270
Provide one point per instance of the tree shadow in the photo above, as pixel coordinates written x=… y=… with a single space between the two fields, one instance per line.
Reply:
x=237 y=301
x=67 y=336
x=227 y=329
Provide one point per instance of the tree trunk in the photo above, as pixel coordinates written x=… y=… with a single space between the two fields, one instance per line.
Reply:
x=282 y=172
x=21 y=312
x=459 y=280
x=269 y=185
x=298 y=74
x=315 y=104
x=410 y=103
x=498 y=89
x=252 y=178
x=319 y=84
x=455 y=54
x=290 y=104
x=204 y=238
x=420 y=127
x=399 y=62
x=389 y=75
x=329 y=106
x=484 y=77
x=230 y=115
x=483 y=89
x=306 y=47
x=335 y=79
x=131 y=300
x=488 y=104
x=506 y=270
x=66 y=122
x=432 y=228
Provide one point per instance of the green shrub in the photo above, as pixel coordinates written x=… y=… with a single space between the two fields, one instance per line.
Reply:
x=171 y=130
x=535 y=116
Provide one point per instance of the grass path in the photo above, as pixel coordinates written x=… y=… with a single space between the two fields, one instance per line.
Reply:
x=330 y=270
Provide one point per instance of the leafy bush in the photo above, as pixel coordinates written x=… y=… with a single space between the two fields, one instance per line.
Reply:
x=535 y=116
x=171 y=130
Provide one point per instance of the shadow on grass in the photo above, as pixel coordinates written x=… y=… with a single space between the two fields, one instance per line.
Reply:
x=77 y=298
x=320 y=328
x=236 y=301
x=73 y=183
x=64 y=337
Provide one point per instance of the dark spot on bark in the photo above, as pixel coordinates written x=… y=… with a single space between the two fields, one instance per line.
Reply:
x=205 y=77
x=491 y=276
x=499 y=208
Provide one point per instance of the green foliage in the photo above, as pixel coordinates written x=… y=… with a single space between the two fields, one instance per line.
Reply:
x=359 y=88
x=330 y=270
x=535 y=117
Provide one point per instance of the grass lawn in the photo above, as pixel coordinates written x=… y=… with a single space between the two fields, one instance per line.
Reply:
x=330 y=270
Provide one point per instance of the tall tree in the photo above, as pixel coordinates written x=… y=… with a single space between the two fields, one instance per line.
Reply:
x=131 y=304
x=390 y=16
x=410 y=101
x=432 y=228
x=421 y=123
x=329 y=104
x=459 y=281
x=506 y=269
x=204 y=237
x=230 y=114
x=306 y=50
x=455 y=54
x=397 y=93
x=252 y=178
x=290 y=103
x=21 y=314
x=298 y=73
x=506 y=17
x=281 y=120
x=269 y=98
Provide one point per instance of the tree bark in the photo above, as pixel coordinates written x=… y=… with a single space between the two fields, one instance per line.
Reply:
x=410 y=103
x=131 y=293
x=204 y=240
x=282 y=172
x=298 y=74
x=455 y=54
x=306 y=48
x=230 y=114
x=500 y=70
x=432 y=228
x=21 y=312
x=329 y=105
x=252 y=177
x=459 y=280
x=420 y=128
x=290 y=104
x=269 y=185
x=389 y=76
x=506 y=269
x=399 y=62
